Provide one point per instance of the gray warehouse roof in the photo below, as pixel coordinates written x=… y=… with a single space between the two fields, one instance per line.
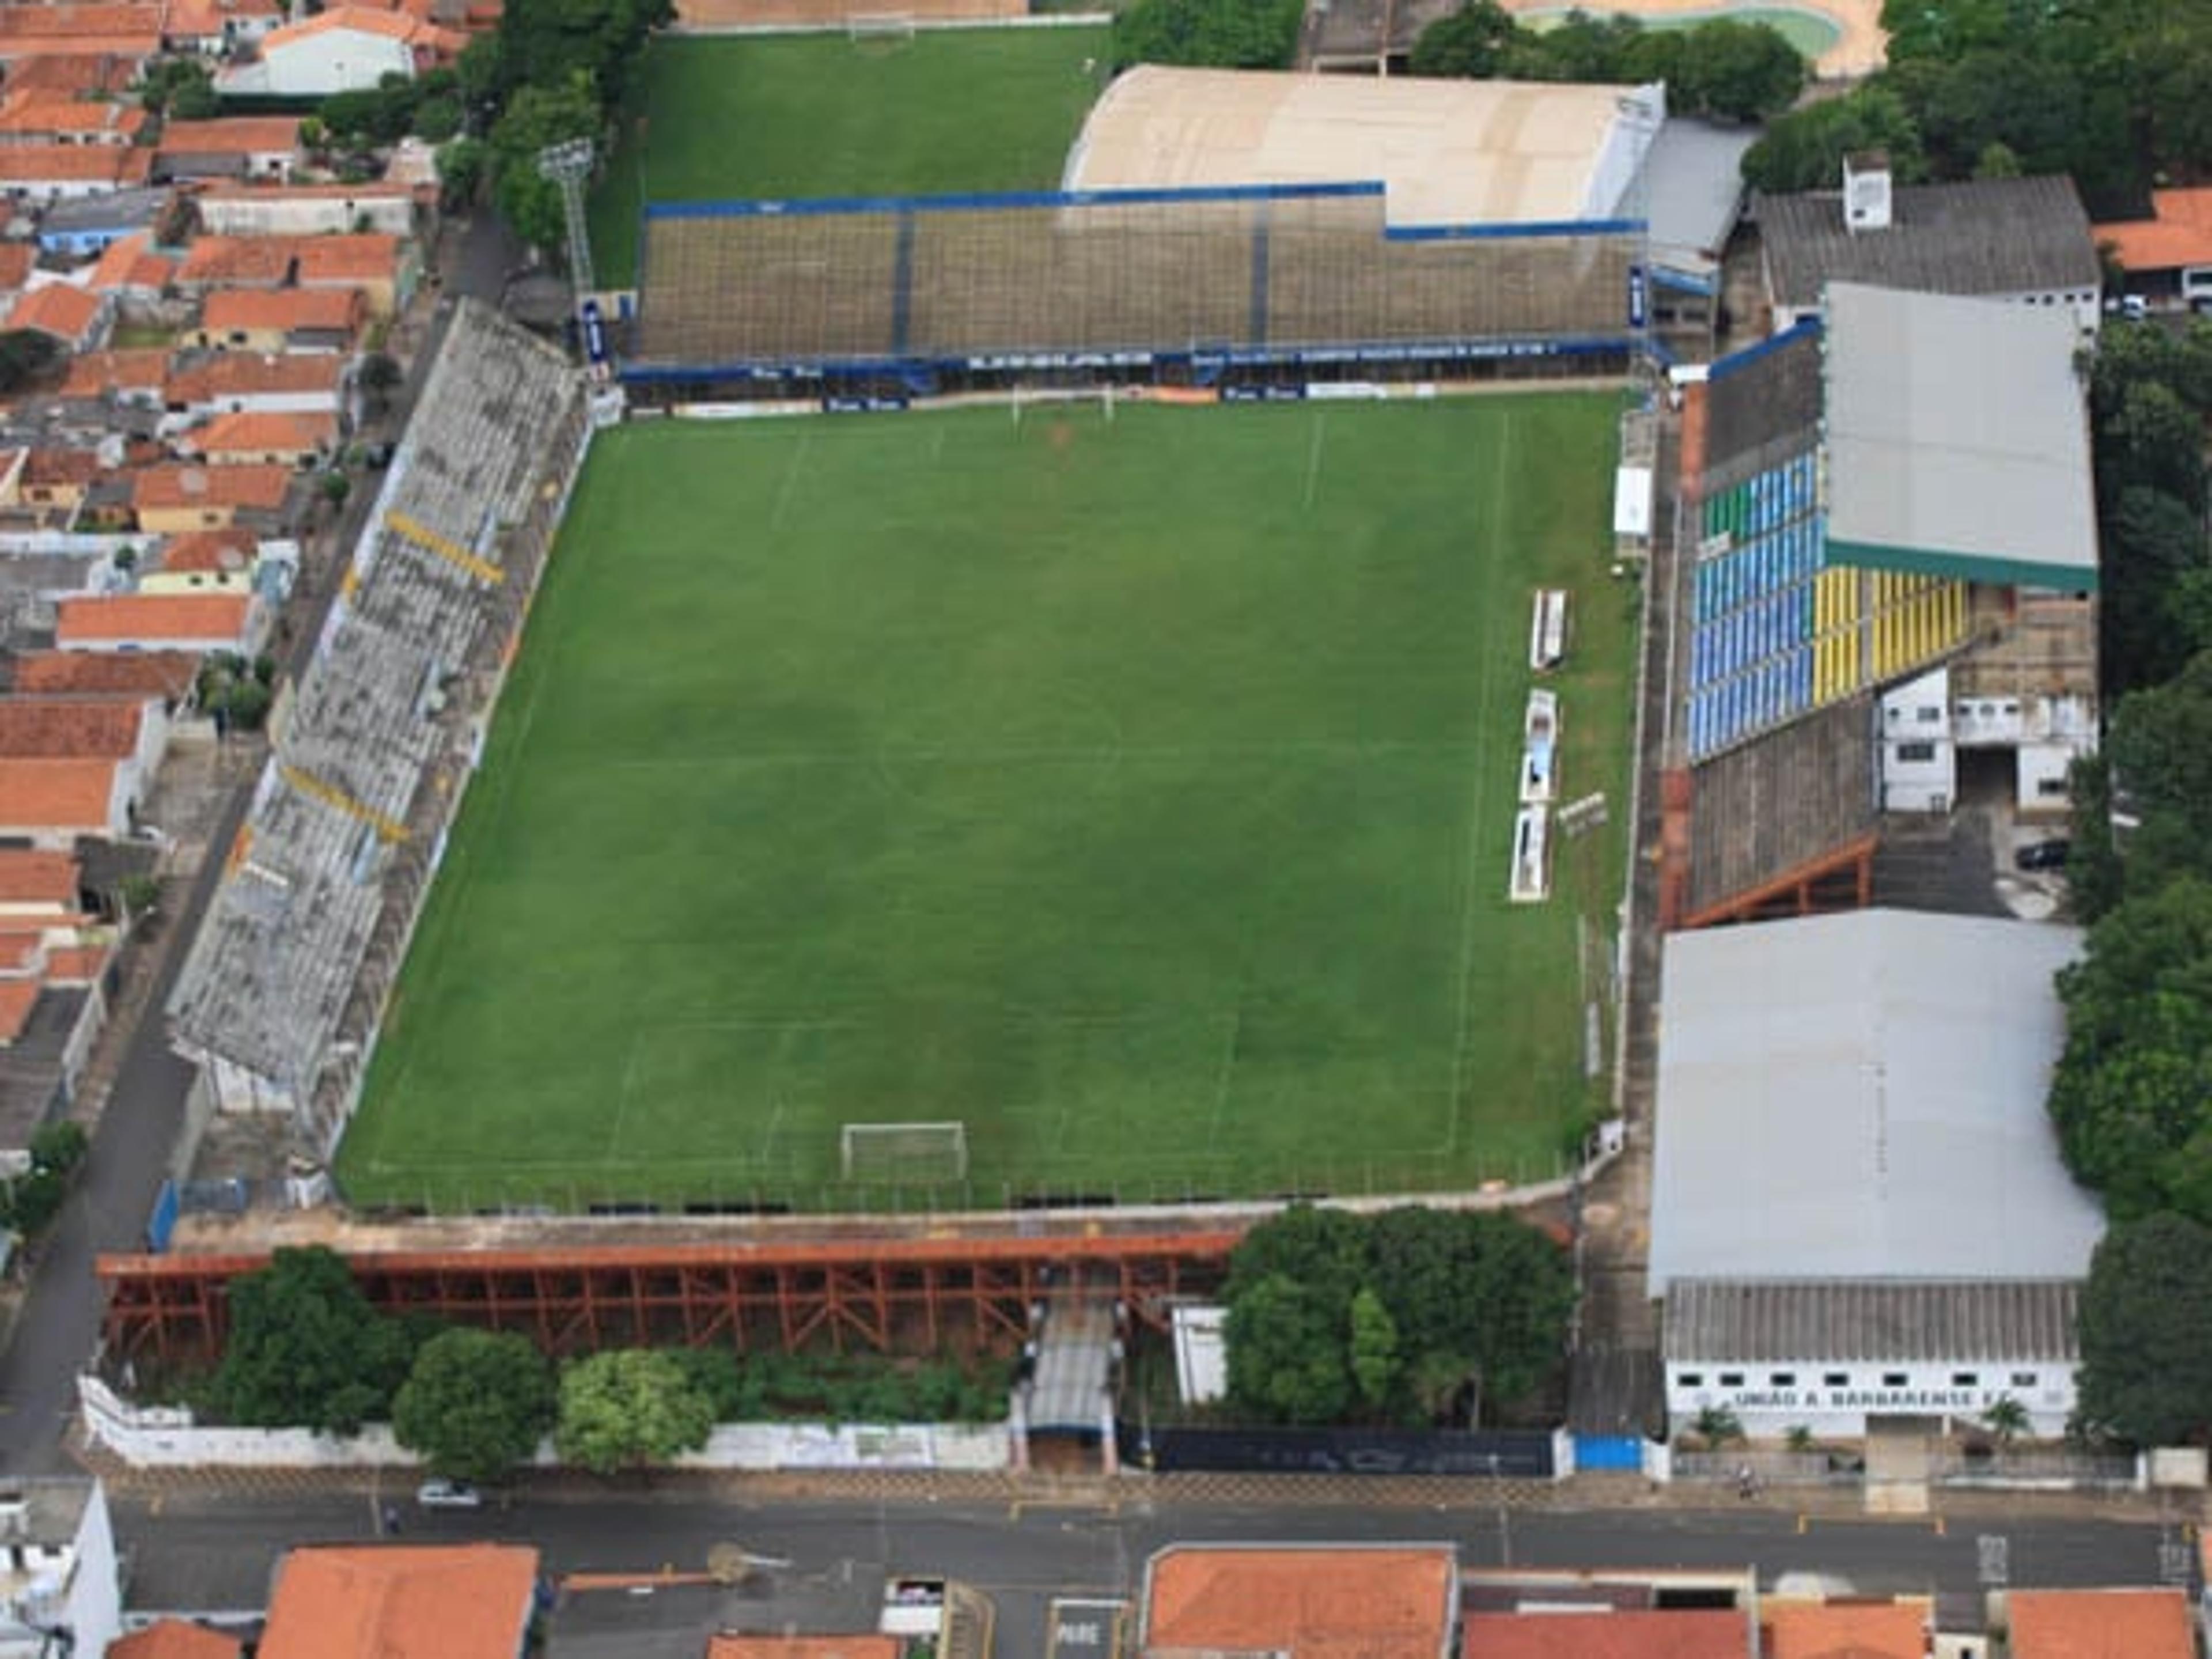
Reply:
x=1958 y=443
x=1693 y=174
x=1755 y=1320
x=1861 y=1097
x=1984 y=236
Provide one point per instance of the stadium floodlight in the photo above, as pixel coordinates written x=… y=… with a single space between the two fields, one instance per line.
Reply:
x=569 y=166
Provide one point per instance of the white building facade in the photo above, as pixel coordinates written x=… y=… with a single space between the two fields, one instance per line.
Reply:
x=1925 y=728
x=57 y=1574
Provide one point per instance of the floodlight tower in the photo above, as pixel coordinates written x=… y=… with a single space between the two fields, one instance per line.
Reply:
x=570 y=165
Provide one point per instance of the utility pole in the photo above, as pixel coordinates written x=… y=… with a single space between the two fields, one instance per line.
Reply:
x=569 y=166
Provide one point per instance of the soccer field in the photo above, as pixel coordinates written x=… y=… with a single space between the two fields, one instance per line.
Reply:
x=1137 y=793
x=823 y=115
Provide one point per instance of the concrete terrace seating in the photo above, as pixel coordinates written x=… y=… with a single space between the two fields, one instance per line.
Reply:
x=335 y=858
x=1781 y=800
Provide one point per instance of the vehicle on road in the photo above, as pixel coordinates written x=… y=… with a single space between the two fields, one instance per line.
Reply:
x=448 y=1495
x=2043 y=855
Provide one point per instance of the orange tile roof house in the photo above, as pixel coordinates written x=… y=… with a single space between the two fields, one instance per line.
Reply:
x=280 y=319
x=78 y=320
x=371 y=261
x=165 y=674
x=172 y=1638
x=1587 y=1632
x=36 y=885
x=275 y=438
x=72 y=74
x=237 y=382
x=804 y=1647
x=136 y=375
x=229 y=147
x=1332 y=1602
x=131 y=33
x=2169 y=255
x=2100 y=1624
x=172 y=622
x=406 y=1602
x=239 y=210
x=130 y=268
x=50 y=117
x=210 y=25
x=64 y=728
x=236 y=262
x=49 y=803
x=344 y=49
x=173 y=498
x=1844 y=1630
x=16 y=260
x=49 y=173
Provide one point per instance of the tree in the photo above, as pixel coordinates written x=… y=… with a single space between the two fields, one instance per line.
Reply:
x=438 y=119
x=1733 y=71
x=195 y=100
x=168 y=78
x=2094 y=877
x=1287 y=1354
x=306 y=1349
x=627 y=1407
x=1472 y=44
x=1324 y=1250
x=1997 y=160
x=2161 y=742
x=463 y=165
x=2146 y=1333
x=2006 y=1419
x=2132 y=1094
x=536 y=117
x=1716 y=1426
x=1374 y=1349
x=60 y=1146
x=1208 y=33
x=380 y=376
x=475 y=1404
x=24 y=354
x=2151 y=542
x=139 y=894
x=1805 y=149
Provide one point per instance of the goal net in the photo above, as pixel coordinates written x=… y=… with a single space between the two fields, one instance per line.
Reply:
x=1029 y=398
x=880 y=28
x=904 y=1154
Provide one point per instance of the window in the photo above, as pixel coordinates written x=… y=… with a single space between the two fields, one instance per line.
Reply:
x=1894 y=1379
x=1910 y=754
x=2050 y=785
x=2023 y=1379
x=1782 y=1379
x=1836 y=1380
x=1691 y=1379
x=1731 y=1379
x=1929 y=716
x=1966 y=1379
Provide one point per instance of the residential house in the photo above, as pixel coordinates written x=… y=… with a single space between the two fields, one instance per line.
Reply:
x=255 y=383
x=60 y=1591
x=380 y=265
x=37 y=889
x=295 y=440
x=165 y=674
x=174 y=1638
x=2100 y=1624
x=203 y=562
x=1864 y=1630
x=79 y=320
x=1383 y=1601
x=130 y=33
x=281 y=320
x=199 y=622
x=2166 y=259
x=214 y=262
x=61 y=172
x=48 y=804
x=132 y=733
x=344 y=49
x=170 y=499
x=84 y=228
x=93 y=75
x=55 y=481
x=215 y=27
x=133 y=274
x=403 y=1601
x=229 y=147
x=100 y=380
x=49 y=118
x=17 y=260
x=236 y=210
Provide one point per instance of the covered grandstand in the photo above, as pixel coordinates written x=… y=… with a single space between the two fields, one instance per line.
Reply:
x=1840 y=512
x=279 y=997
x=916 y=295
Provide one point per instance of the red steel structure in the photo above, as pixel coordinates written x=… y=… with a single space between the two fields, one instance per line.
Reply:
x=880 y=1294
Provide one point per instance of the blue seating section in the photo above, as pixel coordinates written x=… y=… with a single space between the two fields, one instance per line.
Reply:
x=1751 y=643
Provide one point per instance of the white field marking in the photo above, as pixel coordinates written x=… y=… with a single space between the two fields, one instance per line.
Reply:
x=1473 y=878
x=768 y=1135
x=1313 y=459
x=783 y=492
x=1322 y=748
x=1225 y=1072
x=628 y=1083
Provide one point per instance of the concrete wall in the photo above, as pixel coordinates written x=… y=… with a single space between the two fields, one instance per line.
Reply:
x=1769 y=1406
x=167 y=1438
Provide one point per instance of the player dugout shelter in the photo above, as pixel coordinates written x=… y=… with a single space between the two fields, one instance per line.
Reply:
x=1306 y=229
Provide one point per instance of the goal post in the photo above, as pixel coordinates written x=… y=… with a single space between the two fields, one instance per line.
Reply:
x=904 y=1154
x=1036 y=396
x=890 y=28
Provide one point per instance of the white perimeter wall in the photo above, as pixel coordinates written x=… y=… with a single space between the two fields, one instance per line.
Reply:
x=1770 y=1397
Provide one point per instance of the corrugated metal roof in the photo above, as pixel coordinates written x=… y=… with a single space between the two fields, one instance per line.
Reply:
x=1754 y=1320
x=1861 y=1097
x=1956 y=431
x=1984 y=236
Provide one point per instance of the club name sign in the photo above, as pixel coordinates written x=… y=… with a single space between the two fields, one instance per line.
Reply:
x=1954 y=1401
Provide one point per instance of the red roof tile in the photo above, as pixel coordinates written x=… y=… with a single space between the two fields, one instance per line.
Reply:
x=359 y=257
x=112 y=673
x=29 y=878
x=209 y=551
x=262 y=433
x=1845 y=1630
x=72 y=73
x=183 y=484
x=2100 y=1624
x=97 y=373
x=17 y=999
x=246 y=261
x=114 y=165
x=60 y=729
x=172 y=1638
x=232 y=135
x=66 y=313
x=125 y=616
x=255 y=374
x=1686 y=1633
x=16 y=260
x=420 y=1601
x=804 y=1647
x=1319 y=1603
x=249 y=310
x=56 y=795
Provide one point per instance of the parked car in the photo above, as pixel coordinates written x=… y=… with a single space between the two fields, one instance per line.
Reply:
x=2043 y=855
x=448 y=1495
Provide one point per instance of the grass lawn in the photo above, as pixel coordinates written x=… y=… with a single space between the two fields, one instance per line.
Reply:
x=822 y=115
x=1137 y=793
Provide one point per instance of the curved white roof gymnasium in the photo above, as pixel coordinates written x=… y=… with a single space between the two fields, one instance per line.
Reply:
x=1449 y=152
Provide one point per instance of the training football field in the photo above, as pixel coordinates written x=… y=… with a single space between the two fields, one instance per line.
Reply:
x=1136 y=792
x=824 y=115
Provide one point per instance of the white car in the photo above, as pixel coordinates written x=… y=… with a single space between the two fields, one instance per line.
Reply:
x=448 y=1495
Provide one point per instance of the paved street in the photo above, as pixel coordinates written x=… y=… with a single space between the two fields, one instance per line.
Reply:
x=205 y=1550
x=59 y=1323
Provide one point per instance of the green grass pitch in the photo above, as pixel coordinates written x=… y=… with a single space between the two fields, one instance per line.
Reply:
x=1136 y=792
x=824 y=115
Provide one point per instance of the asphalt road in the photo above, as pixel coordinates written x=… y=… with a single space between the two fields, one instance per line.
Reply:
x=205 y=1551
x=59 y=1323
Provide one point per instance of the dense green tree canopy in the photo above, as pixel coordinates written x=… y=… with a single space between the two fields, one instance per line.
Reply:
x=475 y=1404
x=1805 y=149
x=1288 y=1359
x=627 y=1407
x=2146 y=1333
x=536 y=117
x=306 y=1349
x=1208 y=33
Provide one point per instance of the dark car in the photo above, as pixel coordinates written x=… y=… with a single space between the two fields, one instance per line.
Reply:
x=2043 y=855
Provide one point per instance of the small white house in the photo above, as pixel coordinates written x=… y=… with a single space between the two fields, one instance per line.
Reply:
x=307 y=209
x=1927 y=722
x=59 y=1571
x=345 y=49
